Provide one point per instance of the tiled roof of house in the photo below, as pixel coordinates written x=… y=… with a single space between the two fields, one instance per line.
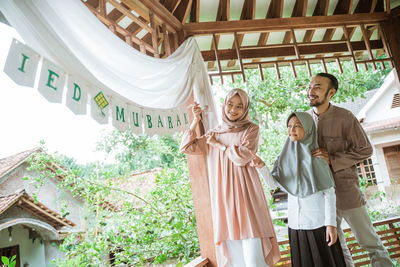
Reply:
x=11 y=162
x=358 y=103
x=26 y=202
x=382 y=125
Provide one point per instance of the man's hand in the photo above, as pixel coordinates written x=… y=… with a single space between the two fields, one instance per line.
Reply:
x=257 y=161
x=331 y=235
x=321 y=153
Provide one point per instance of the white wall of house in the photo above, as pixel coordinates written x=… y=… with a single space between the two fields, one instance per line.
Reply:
x=48 y=194
x=30 y=252
x=381 y=110
x=378 y=109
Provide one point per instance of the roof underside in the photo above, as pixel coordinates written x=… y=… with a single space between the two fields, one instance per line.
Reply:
x=238 y=34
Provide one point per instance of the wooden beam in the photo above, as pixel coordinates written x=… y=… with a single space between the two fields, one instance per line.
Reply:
x=127 y=13
x=350 y=48
x=390 y=30
x=49 y=214
x=195 y=11
x=366 y=40
x=282 y=24
x=167 y=44
x=275 y=9
x=223 y=10
x=182 y=10
x=239 y=56
x=334 y=47
x=215 y=46
x=197 y=165
x=160 y=11
x=118 y=29
x=154 y=35
x=171 y=5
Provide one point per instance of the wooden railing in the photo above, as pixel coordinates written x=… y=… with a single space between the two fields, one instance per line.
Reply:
x=388 y=231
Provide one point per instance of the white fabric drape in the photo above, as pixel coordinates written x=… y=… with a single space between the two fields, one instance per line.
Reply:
x=67 y=33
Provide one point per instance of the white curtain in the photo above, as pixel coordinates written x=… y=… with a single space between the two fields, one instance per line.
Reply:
x=67 y=33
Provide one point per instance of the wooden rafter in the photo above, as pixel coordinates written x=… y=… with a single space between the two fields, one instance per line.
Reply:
x=223 y=10
x=248 y=13
x=367 y=44
x=280 y=50
x=282 y=24
x=163 y=13
x=127 y=13
x=182 y=11
x=195 y=11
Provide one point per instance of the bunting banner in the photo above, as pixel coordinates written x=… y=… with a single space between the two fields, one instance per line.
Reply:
x=22 y=66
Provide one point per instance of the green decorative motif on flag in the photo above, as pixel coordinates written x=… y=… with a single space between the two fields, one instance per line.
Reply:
x=101 y=101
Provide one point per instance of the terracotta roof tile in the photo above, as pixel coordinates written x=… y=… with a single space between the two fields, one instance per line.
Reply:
x=382 y=125
x=9 y=163
x=27 y=203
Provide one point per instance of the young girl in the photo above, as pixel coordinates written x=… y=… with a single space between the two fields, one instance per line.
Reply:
x=311 y=196
x=243 y=230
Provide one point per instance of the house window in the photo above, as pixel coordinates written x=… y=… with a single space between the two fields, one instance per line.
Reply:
x=366 y=170
x=9 y=252
x=392 y=157
x=396 y=101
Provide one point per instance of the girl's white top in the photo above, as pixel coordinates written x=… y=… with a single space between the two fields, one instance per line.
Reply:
x=307 y=213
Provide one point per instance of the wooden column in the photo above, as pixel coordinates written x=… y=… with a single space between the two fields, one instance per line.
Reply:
x=201 y=199
x=391 y=30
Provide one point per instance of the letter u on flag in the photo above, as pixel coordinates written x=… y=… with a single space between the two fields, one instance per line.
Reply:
x=21 y=64
x=135 y=119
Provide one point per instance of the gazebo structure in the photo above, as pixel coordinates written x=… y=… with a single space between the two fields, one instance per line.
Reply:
x=237 y=34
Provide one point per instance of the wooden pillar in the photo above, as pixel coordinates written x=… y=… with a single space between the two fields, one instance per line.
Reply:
x=197 y=165
x=391 y=30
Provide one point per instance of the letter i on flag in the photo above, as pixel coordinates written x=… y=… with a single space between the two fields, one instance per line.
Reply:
x=21 y=64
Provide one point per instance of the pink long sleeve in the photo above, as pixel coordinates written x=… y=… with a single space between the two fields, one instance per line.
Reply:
x=241 y=154
x=190 y=144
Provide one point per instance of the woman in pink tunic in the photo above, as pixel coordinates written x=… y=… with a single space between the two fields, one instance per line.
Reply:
x=243 y=230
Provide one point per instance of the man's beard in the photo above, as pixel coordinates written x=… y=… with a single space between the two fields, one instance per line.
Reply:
x=321 y=102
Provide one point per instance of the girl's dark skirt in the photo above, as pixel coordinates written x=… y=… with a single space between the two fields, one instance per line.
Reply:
x=309 y=248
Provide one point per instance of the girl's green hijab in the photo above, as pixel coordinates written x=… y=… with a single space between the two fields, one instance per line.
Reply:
x=296 y=170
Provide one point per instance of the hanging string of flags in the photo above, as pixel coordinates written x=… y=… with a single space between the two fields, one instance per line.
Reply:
x=22 y=64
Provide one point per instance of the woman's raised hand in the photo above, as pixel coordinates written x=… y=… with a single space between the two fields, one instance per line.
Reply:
x=196 y=110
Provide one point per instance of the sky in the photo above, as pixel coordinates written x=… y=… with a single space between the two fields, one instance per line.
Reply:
x=26 y=117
